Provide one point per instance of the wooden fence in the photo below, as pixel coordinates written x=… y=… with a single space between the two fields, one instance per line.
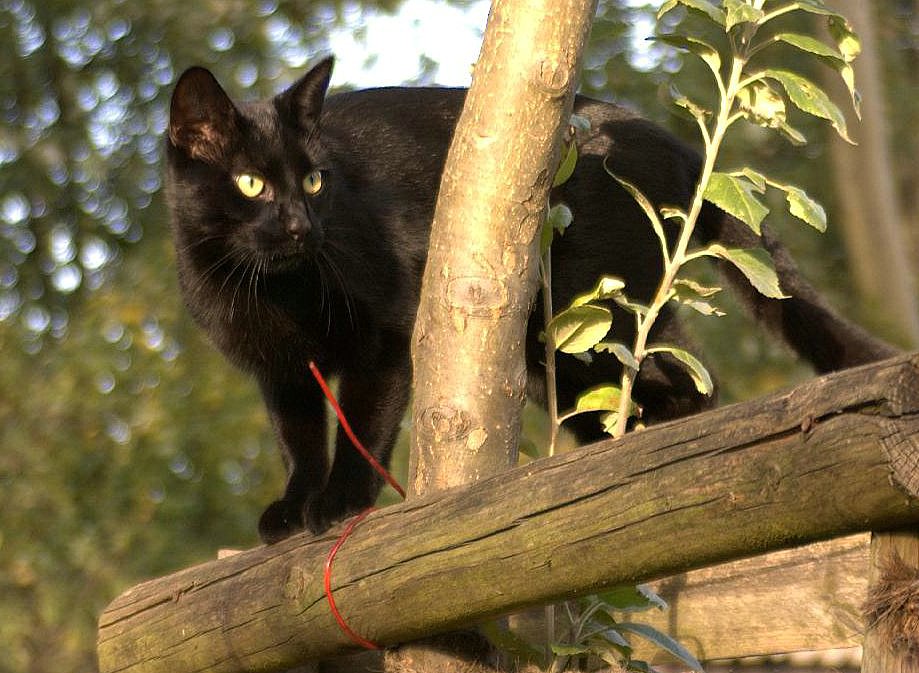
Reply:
x=835 y=456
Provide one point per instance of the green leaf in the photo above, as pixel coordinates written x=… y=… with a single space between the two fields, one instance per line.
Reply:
x=599 y=398
x=735 y=196
x=610 y=646
x=805 y=208
x=674 y=213
x=800 y=204
x=848 y=76
x=645 y=204
x=579 y=328
x=846 y=40
x=558 y=220
x=607 y=287
x=509 y=642
x=563 y=650
x=689 y=287
x=699 y=113
x=566 y=167
x=739 y=11
x=703 y=307
x=762 y=105
x=810 y=98
x=758 y=179
x=630 y=598
x=633 y=307
x=809 y=44
x=696 y=369
x=850 y=46
x=694 y=45
x=638 y=666
x=621 y=351
x=610 y=421
x=833 y=57
x=815 y=7
x=754 y=263
x=662 y=641
x=692 y=294
x=708 y=8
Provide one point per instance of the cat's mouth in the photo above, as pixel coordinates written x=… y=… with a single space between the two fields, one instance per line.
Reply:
x=282 y=261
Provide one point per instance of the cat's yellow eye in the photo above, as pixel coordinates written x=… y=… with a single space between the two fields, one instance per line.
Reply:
x=251 y=186
x=312 y=183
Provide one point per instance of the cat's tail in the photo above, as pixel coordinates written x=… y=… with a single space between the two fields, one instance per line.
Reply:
x=804 y=321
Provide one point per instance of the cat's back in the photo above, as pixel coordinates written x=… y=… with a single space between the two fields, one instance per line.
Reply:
x=429 y=115
x=420 y=114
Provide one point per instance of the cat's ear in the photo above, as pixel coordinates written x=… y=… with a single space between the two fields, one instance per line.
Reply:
x=303 y=101
x=202 y=118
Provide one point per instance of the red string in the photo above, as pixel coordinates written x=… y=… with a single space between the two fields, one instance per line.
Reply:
x=348 y=431
x=327 y=579
x=327 y=574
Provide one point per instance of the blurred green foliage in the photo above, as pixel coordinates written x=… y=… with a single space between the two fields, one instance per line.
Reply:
x=128 y=447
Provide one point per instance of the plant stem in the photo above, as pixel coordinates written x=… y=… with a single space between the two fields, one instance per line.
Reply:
x=545 y=269
x=687 y=226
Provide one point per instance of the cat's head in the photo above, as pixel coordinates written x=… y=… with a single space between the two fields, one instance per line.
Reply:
x=247 y=181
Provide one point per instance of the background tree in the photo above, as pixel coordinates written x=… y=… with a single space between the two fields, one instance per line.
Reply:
x=871 y=217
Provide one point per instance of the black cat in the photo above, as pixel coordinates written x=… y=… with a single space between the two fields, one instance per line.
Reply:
x=301 y=228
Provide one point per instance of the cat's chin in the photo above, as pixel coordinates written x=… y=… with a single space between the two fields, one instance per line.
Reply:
x=279 y=263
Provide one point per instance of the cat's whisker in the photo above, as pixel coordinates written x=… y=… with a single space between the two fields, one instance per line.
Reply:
x=340 y=278
x=241 y=264
x=191 y=245
x=259 y=276
x=252 y=292
x=205 y=278
x=325 y=299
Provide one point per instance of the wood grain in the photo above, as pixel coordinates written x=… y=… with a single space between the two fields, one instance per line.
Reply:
x=809 y=464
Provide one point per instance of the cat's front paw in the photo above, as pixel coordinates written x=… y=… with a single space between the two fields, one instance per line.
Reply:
x=280 y=520
x=318 y=517
x=331 y=508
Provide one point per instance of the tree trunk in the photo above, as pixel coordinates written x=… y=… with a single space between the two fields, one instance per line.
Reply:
x=480 y=279
x=866 y=186
x=879 y=254
x=481 y=274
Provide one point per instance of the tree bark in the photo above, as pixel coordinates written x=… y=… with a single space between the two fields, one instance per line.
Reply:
x=879 y=254
x=834 y=456
x=480 y=278
x=481 y=275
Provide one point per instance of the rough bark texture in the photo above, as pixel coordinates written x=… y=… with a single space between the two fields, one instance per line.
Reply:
x=878 y=250
x=481 y=274
x=837 y=455
x=480 y=279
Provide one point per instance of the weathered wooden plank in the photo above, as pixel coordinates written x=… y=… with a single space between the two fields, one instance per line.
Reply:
x=831 y=457
x=808 y=598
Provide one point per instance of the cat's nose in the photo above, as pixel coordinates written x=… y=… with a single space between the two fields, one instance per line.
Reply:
x=297 y=227
x=296 y=221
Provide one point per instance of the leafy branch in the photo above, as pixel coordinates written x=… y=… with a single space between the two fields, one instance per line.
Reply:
x=760 y=96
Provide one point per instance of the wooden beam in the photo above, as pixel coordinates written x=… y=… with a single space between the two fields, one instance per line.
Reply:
x=837 y=455
x=804 y=599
